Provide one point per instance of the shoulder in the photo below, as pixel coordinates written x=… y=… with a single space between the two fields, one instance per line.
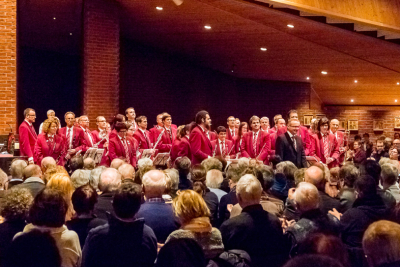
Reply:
x=213 y=142
x=229 y=142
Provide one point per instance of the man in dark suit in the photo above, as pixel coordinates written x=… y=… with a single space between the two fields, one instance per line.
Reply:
x=27 y=135
x=32 y=180
x=200 y=144
x=289 y=145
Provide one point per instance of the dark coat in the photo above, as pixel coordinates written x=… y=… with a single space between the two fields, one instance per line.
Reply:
x=257 y=232
x=230 y=198
x=211 y=200
x=8 y=230
x=82 y=226
x=33 y=186
x=284 y=148
x=103 y=208
x=328 y=203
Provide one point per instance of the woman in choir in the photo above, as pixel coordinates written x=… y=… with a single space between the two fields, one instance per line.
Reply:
x=243 y=128
x=181 y=132
x=117 y=118
x=50 y=115
x=50 y=144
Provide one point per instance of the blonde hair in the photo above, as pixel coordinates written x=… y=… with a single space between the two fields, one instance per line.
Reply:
x=381 y=242
x=189 y=205
x=47 y=123
x=249 y=189
x=306 y=196
x=62 y=183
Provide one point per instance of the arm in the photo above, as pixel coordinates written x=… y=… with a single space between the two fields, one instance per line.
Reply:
x=195 y=146
x=63 y=151
x=266 y=147
x=112 y=150
x=38 y=154
x=25 y=146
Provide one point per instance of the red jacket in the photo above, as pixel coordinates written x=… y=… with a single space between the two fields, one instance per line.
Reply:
x=342 y=143
x=78 y=138
x=117 y=150
x=98 y=138
x=89 y=143
x=213 y=135
x=142 y=142
x=237 y=142
x=200 y=145
x=27 y=139
x=263 y=146
x=165 y=143
x=154 y=133
x=56 y=149
x=184 y=148
x=229 y=148
x=229 y=135
x=318 y=149
x=175 y=150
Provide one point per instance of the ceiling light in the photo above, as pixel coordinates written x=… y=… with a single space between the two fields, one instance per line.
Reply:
x=355 y=81
x=324 y=72
x=395 y=100
x=159 y=8
x=352 y=100
x=70 y=33
x=263 y=49
x=290 y=26
x=308 y=78
x=398 y=83
x=208 y=27
x=54 y=18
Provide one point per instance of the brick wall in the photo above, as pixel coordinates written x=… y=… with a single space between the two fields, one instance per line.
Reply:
x=101 y=59
x=8 y=73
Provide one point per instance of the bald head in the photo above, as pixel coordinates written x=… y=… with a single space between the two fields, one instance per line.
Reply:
x=315 y=176
x=154 y=184
x=17 y=168
x=116 y=163
x=110 y=179
x=88 y=164
x=32 y=171
x=306 y=197
x=47 y=162
x=127 y=171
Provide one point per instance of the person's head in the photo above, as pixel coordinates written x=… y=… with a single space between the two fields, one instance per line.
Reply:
x=69 y=118
x=62 y=183
x=127 y=171
x=126 y=200
x=116 y=163
x=17 y=203
x=50 y=126
x=396 y=143
x=80 y=177
x=221 y=131
x=380 y=145
x=173 y=176
x=348 y=175
x=159 y=119
x=214 y=179
x=356 y=145
x=33 y=248
x=198 y=176
x=121 y=129
x=357 y=138
x=264 y=123
x=142 y=122
x=130 y=129
x=276 y=118
x=243 y=128
x=315 y=176
x=267 y=176
x=211 y=164
x=381 y=243
x=166 y=120
x=233 y=176
x=313 y=260
x=274 y=160
x=299 y=175
x=254 y=123
x=95 y=176
x=280 y=123
x=383 y=160
x=108 y=127
x=237 y=123
x=101 y=123
x=84 y=121
x=293 y=126
x=154 y=184
x=389 y=175
x=30 y=115
x=130 y=114
x=243 y=163
x=203 y=118
x=47 y=162
x=373 y=169
x=334 y=125
x=314 y=125
x=51 y=114
x=48 y=209
x=110 y=179
x=17 y=168
x=180 y=131
x=365 y=187
x=88 y=164
x=76 y=163
x=287 y=168
x=366 y=137
x=189 y=205
x=394 y=154
x=231 y=122
x=183 y=165
x=292 y=114
x=325 y=245
x=117 y=118
x=248 y=190
x=323 y=125
x=306 y=197
x=83 y=199
x=32 y=171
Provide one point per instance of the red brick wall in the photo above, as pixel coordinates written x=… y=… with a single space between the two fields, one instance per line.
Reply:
x=101 y=59
x=8 y=62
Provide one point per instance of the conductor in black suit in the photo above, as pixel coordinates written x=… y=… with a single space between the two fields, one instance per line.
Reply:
x=289 y=145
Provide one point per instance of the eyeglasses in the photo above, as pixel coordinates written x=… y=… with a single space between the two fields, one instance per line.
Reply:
x=32 y=115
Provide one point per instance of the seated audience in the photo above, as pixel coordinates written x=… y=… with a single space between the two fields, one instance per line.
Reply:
x=144 y=165
x=183 y=166
x=243 y=164
x=110 y=179
x=358 y=155
x=198 y=175
x=127 y=172
x=214 y=179
x=116 y=163
x=255 y=231
x=288 y=169
x=172 y=176
x=83 y=199
x=17 y=172
x=88 y=164
x=75 y=163
x=194 y=216
x=332 y=184
x=62 y=183
x=229 y=199
x=48 y=213
x=389 y=176
x=80 y=177
x=124 y=241
x=381 y=244
x=156 y=213
x=15 y=209
x=212 y=164
x=32 y=179
x=35 y=248
x=95 y=176
x=347 y=176
x=379 y=152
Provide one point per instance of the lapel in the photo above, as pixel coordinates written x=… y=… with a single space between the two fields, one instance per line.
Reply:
x=205 y=136
x=144 y=137
x=31 y=129
x=290 y=141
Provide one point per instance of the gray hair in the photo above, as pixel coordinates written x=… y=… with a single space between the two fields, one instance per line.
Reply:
x=50 y=111
x=214 y=179
x=3 y=179
x=383 y=161
x=145 y=163
x=389 y=174
x=88 y=164
x=80 y=177
x=110 y=179
x=95 y=176
x=249 y=189
x=154 y=183
x=174 y=176
x=306 y=196
x=211 y=164
x=243 y=163
x=17 y=168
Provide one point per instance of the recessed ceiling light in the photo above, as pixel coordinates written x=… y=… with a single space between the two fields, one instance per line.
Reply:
x=398 y=83
x=352 y=100
x=208 y=27
x=54 y=18
x=324 y=72
x=308 y=78
x=290 y=26
x=355 y=81
x=159 y=8
x=395 y=100
x=70 y=33
x=263 y=49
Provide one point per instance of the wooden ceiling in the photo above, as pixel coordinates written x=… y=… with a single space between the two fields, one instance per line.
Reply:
x=239 y=30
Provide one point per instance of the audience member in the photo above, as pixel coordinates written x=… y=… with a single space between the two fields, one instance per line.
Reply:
x=62 y=183
x=183 y=166
x=124 y=241
x=255 y=231
x=116 y=163
x=127 y=172
x=75 y=163
x=348 y=174
x=214 y=179
x=83 y=199
x=194 y=216
x=332 y=184
x=47 y=162
x=32 y=179
x=3 y=186
x=48 y=214
x=380 y=151
x=243 y=164
x=110 y=179
x=313 y=260
x=156 y=213
x=95 y=176
x=88 y=164
x=144 y=165
x=229 y=199
x=389 y=176
x=172 y=176
x=212 y=164
x=17 y=172
x=80 y=177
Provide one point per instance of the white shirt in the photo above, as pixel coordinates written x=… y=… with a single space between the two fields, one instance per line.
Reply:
x=256 y=134
x=90 y=136
x=293 y=139
x=30 y=124
x=221 y=145
x=232 y=131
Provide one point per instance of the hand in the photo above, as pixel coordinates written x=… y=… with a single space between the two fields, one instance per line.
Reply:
x=329 y=160
x=105 y=145
x=335 y=213
x=31 y=162
x=68 y=156
x=71 y=151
